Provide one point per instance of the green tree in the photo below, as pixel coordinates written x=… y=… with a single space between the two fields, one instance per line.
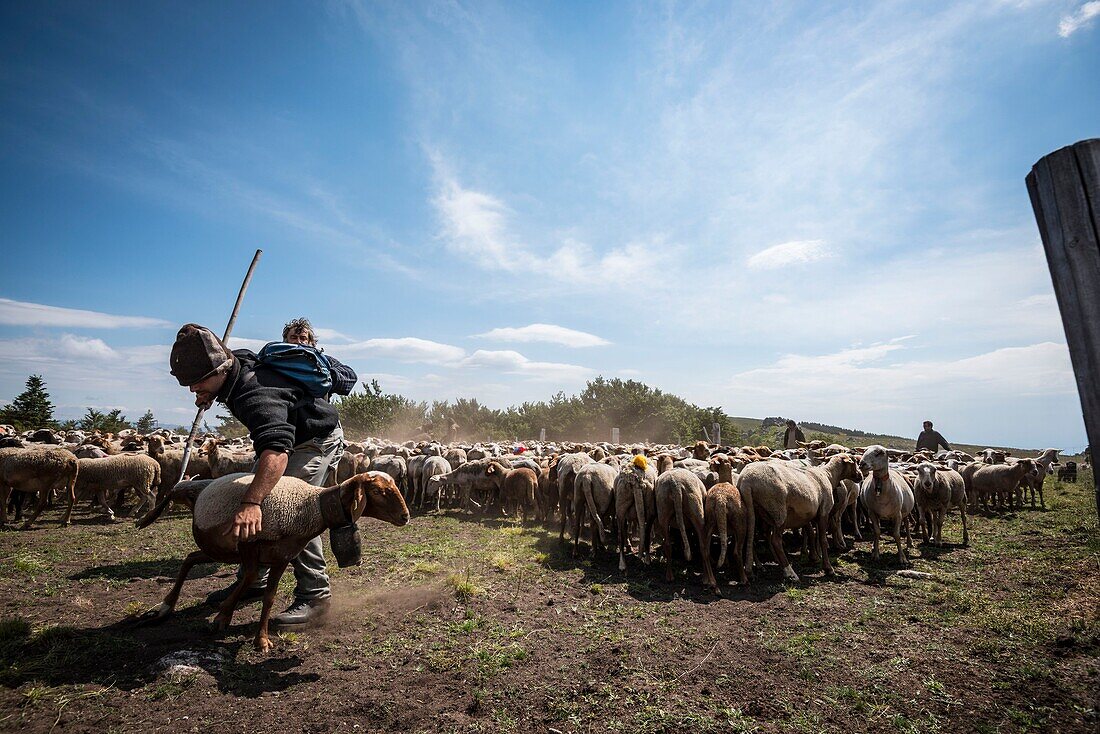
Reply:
x=31 y=408
x=146 y=423
x=230 y=427
x=376 y=413
x=96 y=420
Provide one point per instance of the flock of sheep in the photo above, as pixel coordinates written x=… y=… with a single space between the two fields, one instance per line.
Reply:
x=684 y=497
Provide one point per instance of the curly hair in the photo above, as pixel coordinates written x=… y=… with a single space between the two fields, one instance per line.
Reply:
x=300 y=325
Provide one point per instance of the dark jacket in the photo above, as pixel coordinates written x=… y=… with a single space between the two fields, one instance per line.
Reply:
x=798 y=436
x=930 y=440
x=343 y=377
x=277 y=411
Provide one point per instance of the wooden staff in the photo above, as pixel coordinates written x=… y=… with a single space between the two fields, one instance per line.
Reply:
x=225 y=340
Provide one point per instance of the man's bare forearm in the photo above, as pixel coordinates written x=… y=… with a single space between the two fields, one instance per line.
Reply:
x=270 y=466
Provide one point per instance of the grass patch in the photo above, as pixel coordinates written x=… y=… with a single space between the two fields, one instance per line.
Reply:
x=464 y=586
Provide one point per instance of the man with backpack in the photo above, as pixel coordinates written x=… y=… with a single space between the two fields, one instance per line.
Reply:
x=280 y=395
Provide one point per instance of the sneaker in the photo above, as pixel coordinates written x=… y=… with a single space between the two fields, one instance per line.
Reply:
x=216 y=598
x=302 y=612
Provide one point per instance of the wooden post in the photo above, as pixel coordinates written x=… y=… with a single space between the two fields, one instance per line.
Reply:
x=1065 y=194
x=717 y=429
x=615 y=435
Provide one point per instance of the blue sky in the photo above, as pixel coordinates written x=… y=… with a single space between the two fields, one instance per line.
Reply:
x=797 y=208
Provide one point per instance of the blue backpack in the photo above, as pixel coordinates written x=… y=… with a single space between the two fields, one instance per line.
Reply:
x=301 y=363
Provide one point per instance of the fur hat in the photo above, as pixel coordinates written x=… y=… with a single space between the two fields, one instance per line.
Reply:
x=197 y=354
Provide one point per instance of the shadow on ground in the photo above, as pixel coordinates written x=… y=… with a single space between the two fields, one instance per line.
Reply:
x=129 y=658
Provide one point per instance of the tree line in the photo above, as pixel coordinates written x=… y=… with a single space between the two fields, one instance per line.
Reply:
x=640 y=412
x=33 y=408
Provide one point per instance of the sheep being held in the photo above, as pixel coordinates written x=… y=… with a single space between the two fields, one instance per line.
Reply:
x=293 y=514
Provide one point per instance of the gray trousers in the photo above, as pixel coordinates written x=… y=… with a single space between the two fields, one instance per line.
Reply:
x=312 y=461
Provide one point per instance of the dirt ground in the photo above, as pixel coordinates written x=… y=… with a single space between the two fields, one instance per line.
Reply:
x=459 y=624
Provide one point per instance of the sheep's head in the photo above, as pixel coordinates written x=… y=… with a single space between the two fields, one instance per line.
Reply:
x=926 y=475
x=1031 y=468
x=374 y=494
x=875 y=459
x=849 y=467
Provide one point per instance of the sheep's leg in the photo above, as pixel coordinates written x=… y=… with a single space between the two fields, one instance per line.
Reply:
x=666 y=548
x=738 y=562
x=101 y=498
x=704 y=550
x=67 y=520
x=169 y=604
x=1042 y=502
x=823 y=544
x=251 y=565
x=855 y=521
x=43 y=497
x=647 y=542
x=897 y=539
x=5 y=494
x=262 y=641
x=939 y=526
x=876 y=531
x=775 y=538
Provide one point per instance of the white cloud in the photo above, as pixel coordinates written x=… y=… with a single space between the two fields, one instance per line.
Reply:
x=473 y=223
x=1079 y=19
x=515 y=363
x=548 y=333
x=331 y=335
x=241 y=342
x=404 y=349
x=81 y=347
x=21 y=313
x=479 y=227
x=790 y=253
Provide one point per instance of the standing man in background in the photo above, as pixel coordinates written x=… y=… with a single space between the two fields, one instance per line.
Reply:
x=793 y=435
x=932 y=440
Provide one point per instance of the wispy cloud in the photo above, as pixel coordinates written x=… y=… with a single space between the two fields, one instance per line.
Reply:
x=22 y=313
x=1080 y=18
x=404 y=349
x=515 y=363
x=790 y=253
x=548 y=333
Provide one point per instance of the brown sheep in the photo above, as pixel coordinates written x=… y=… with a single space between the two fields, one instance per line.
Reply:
x=999 y=480
x=518 y=491
x=294 y=513
x=724 y=512
x=37 y=471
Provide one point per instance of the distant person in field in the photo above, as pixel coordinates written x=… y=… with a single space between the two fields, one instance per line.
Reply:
x=931 y=440
x=793 y=435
